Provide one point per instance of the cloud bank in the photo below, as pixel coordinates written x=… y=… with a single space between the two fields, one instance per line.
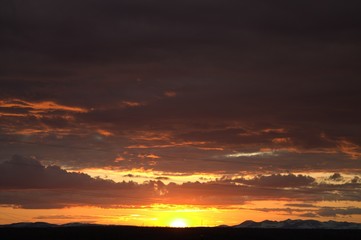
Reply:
x=28 y=184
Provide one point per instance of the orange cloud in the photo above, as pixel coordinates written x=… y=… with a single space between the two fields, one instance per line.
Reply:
x=281 y=140
x=274 y=130
x=170 y=93
x=39 y=107
x=150 y=135
x=29 y=131
x=349 y=148
x=211 y=148
x=171 y=144
x=132 y=104
x=4 y=114
x=119 y=159
x=104 y=132
x=153 y=156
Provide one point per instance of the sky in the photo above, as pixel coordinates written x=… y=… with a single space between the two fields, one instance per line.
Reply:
x=202 y=112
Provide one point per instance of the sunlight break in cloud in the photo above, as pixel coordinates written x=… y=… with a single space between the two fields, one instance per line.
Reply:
x=251 y=154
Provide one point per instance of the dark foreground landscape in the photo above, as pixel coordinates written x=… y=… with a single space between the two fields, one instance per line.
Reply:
x=149 y=233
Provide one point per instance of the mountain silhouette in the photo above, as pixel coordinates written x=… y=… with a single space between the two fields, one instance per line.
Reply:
x=299 y=224
x=286 y=224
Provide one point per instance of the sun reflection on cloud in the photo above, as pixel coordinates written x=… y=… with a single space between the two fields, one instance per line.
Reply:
x=249 y=154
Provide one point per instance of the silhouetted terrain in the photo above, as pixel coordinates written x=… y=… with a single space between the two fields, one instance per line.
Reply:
x=150 y=233
x=299 y=224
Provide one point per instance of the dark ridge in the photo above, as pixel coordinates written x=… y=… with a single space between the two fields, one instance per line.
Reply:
x=159 y=233
x=299 y=224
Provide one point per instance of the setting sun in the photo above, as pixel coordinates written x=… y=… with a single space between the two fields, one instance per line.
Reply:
x=179 y=223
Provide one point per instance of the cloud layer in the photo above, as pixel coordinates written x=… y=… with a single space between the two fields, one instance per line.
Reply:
x=37 y=186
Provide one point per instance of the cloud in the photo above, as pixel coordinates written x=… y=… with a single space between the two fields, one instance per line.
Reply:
x=170 y=93
x=38 y=107
x=162 y=178
x=277 y=180
x=333 y=212
x=309 y=215
x=132 y=104
x=68 y=217
x=315 y=211
x=337 y=177
x=356 y=179
x=28 y=184
x=300 y=205
x=38 y=117
x=151 y=156
x=251 y=154
x=104 y=132
x=28 y=173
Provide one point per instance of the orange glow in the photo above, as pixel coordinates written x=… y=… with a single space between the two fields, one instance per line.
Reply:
x=140 y=175
x=167 y=215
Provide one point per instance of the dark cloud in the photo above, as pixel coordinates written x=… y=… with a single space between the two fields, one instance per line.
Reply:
x=27 y=183
x=25 y=173
x=336 y=177
x=68 y=217
x=277 y=180
x=309 y=215
x=356 y=179
x=315 y=211
x=300 y=205
x=162 y=178
x=333 y=212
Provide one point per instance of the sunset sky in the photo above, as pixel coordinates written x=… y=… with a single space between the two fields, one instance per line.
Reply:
x=197 y=112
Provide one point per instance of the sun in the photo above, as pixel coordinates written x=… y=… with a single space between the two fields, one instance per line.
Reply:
x=178 y=223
